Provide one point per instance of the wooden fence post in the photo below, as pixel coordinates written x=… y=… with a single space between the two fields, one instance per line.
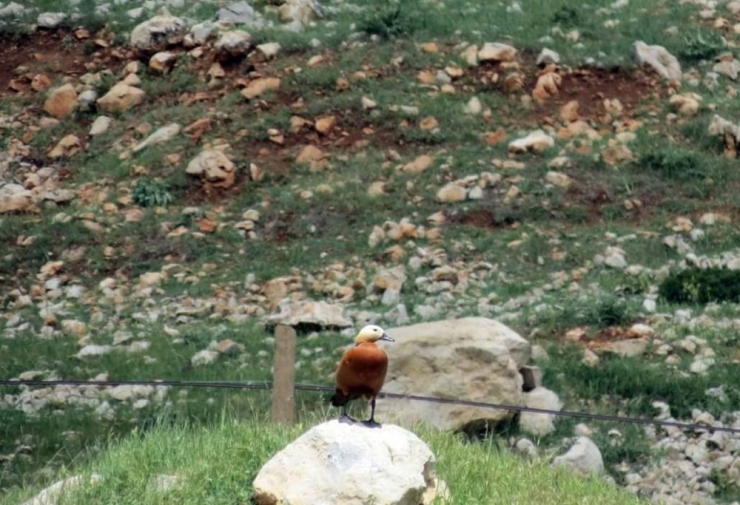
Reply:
x=283 y=383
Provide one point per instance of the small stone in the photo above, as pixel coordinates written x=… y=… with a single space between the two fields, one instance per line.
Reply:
x=100 y=125
x=62 y=101
x=121 y=98
x=496 y=51
x=162 y=62
x=547 y=57
x=451 y=193
x=234 y=43
x=583 y=457
x=204 y=357
x=260 y=86
x=536 y=141
x=50 y=19
x=558 y=179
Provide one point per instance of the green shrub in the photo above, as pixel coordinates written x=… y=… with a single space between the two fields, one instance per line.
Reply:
x=677 y=164
x=390 y=20
x=702 y=46
x=701 y=285
x=151 y=193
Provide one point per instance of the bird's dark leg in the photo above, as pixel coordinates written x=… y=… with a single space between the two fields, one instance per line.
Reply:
x=344 y=418
x=371 y=422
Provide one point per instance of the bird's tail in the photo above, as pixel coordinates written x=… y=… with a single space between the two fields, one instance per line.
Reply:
x=339 y=399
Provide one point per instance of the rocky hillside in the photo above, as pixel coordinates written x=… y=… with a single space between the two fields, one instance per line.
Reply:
x=176 y=178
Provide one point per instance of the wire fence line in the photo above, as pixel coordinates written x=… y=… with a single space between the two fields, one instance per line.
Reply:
x=265 y=386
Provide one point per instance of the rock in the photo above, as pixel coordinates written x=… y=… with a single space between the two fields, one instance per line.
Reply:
x=201 y=32
x=558 y=179
x=66 y=148
x=13 y=9
x=309 y=313
x=62 y=101
x=535 y=423
x=204 y=357
x=215 y=167
x=13 y=198
x=50 y=19
x=100 y=126
x=727 y=66
x=310 y=154
x=536 y=141
x=547 y=57
x=234 y=43
x=583 y=457
x=418 y=165
x=120 y=98
x=87 y=99
x=54 y=493
x=390 y=278
x=451 y=192
x=330 y=464
x=302 y=12
x=526 y=448
x=240 y=13
x=473 y=107
x=628 y=347
x=325 y=124
x=496 y=51
x=260 y=86
x=160 y=136
x=74 y=328
x=94 y=351
x=269 y=50
x=657 y=57
x=163 y=61
x=158 y=32
x=474 y=358
x=729 y=132
x=686 y=104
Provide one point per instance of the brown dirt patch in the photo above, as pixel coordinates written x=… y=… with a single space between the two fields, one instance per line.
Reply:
x=51 y=53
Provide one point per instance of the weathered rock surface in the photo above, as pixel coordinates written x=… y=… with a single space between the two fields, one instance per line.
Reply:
x=471 y=358
x=309 y=313
x=158 y=32
x=657 y=57
x=52 y=494
x=330 y=465
x=583 y=457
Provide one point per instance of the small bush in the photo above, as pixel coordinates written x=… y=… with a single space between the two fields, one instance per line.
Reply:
x=701 y=46
x=701 y=285
x=391 y=20
x=609 y=311
x=676 y=164
x=151 y=193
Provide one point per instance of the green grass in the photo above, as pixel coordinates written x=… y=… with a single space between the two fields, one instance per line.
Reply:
x=217 y=465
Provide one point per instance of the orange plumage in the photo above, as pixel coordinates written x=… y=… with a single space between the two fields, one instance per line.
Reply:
x=361 y=371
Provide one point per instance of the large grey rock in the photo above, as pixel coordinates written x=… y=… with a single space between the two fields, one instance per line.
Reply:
x=345 y=464
x=657 y=57
x=158 y=32
x=472 y=358
x=309 y=313
x=240 y=13
x=583 y=457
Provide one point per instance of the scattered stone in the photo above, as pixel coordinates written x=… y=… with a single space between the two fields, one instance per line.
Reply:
x=160 y=136
x=658 y=58
x=204 y=357
x=301 y=12
x=451 y=192
x=536 y=141
x=260 y=86
x=558 y=179
x=94 y=351
x=158 y=32
x=419 y=165
x=686 y=104
x=50 y=20
x=234 y=43
x=547 y=57
x=100 y=126
x=120 y=98
x=213 y=166
x=583 y=457
x=62 y=101
x=240 y=13
x=163 y=61
x=496 y=51
x=13 y=198
x=66 y=148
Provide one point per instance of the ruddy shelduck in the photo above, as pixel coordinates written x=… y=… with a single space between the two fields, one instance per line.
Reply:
x=361 y=371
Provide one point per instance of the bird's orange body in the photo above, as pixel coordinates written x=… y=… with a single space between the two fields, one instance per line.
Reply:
x=362 y=370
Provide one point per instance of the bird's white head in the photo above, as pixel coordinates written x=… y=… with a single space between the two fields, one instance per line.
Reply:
x=372 y=333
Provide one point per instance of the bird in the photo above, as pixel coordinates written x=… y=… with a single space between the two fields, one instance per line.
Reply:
x=361 y=372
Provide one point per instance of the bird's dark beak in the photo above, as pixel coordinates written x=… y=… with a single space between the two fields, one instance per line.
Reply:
x=386 y=338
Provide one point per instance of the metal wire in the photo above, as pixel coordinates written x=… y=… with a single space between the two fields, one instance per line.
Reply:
x=264 y=386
